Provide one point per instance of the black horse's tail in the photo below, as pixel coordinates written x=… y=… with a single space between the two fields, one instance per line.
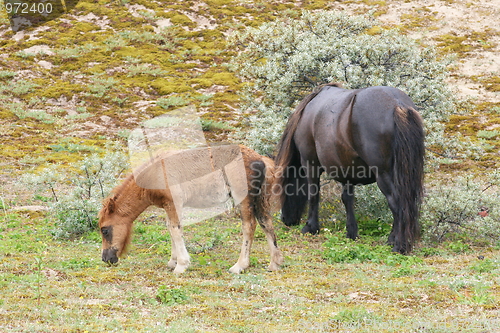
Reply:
x=408 y=168
x=291 y=177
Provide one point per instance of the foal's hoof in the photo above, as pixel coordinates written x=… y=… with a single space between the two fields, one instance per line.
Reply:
x=236 y=269
x=308 y=229
x=179 y=269
x=172 y=263
x=273 y=267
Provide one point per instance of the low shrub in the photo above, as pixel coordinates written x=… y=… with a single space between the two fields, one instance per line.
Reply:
x=77 y=191
x=463 y=206
x=285 y=59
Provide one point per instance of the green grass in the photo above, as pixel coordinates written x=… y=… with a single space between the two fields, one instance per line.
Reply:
x=49 y=285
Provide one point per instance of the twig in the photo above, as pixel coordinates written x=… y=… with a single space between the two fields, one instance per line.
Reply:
x=440 y=154
x=54 y=194
x=4 y=210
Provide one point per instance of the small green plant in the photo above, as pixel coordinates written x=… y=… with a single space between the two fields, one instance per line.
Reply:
x=7 y=74
x=484 y=134
x=458 y=247
x=3 y=207
x=171 y=296
x=403 y=270
x=484 y=266
x=38 y=268
x=212 y=125
x=100 y=85
x=429 y=251
x=77 y=263
x=338 y=249
x=205 y=100
x=77 y=51
x=114 y=43
x=21 y=87
x=167 y=102
x=145 y=69
x=480 y=295
x=356 y=314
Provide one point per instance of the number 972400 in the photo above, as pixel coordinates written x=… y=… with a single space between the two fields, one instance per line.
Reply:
x=20 y=7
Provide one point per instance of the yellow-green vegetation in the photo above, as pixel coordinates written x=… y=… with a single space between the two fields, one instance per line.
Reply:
x=327 y=283
x=461 y=44
x=86 y=79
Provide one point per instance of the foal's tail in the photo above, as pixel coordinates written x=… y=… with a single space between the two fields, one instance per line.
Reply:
x=408 y=153
x=291 y=177
x=262 y=188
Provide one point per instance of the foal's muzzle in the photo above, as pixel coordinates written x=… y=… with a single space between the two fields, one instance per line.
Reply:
x=110 y=255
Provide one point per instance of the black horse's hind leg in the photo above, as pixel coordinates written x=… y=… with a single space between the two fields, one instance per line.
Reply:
x=348 y=200
x=313 y=176
x=396 y=237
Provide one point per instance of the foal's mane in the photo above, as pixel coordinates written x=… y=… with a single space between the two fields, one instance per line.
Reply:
x=109 y=204
x=127 y=185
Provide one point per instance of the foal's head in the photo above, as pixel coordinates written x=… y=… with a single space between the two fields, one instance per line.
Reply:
x=115 y=230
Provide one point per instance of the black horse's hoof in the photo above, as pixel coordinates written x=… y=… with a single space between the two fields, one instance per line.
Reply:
x=352 y=236
x=400 y=249
x=308 y=229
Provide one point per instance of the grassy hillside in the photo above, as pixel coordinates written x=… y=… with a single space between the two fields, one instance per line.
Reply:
x=74 y=85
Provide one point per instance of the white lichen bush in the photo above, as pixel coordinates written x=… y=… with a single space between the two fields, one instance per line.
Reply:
x=463 y=206
x=285 y=59
x=77 y=192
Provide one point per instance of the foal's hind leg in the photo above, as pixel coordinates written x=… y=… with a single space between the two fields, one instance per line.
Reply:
x=348 y=200
x=248 y=227
x=266 y=223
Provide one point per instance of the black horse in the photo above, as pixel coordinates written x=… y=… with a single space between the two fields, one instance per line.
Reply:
x=357 y=137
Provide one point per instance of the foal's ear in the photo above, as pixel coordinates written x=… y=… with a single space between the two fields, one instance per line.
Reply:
x=110 y=205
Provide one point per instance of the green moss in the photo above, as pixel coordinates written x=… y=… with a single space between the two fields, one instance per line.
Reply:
x=180 y=19
x=492 y=83
x=169 y=86
x=467 y=125
x=453 y=43
x=225 y=79
x=84 y=27
x=201 y=83
x=6 y=114
x=461 y=44
x=374 y=30
x=57 y=88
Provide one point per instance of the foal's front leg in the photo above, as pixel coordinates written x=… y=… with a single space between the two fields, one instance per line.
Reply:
x=173 y=254
x=180 y=257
